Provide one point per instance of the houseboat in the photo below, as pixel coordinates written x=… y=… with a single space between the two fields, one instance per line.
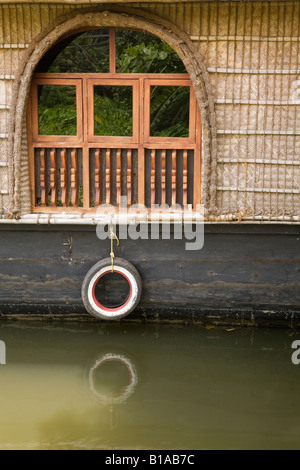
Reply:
x=150 y=161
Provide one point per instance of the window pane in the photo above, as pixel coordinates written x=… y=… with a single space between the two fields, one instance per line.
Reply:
x=169 y=112
x=138 y=52
x=113 y=110
x=83 y=53
x=57 y=110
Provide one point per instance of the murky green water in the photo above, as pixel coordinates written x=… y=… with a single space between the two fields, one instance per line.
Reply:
x=126 y=386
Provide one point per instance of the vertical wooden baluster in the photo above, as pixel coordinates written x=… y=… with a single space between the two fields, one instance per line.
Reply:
x=185 y=177
x=107 y=176
x=97 y=178
x=118 y=176
x=174 y=173
x=63 y=176
x=43 y=176
x=53 y=176
x=141 y=175
x=153 y=176
x=129 y=177
x=74 y=188
x=163 y=176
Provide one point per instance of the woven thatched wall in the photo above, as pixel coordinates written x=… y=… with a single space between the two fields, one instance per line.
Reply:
x=251 y=52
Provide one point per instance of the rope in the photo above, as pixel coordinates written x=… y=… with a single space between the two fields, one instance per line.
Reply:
x=112 y=255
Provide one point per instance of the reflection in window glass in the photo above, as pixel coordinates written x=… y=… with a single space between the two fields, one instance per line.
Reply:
x=84 y=53
x=57 y=110
x=113 y=110
x=138 y=52
x=169 y=112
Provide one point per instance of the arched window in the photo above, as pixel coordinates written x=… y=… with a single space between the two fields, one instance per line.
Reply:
x=112 y=113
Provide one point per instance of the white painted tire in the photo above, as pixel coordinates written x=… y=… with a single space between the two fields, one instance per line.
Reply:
x=103 y=267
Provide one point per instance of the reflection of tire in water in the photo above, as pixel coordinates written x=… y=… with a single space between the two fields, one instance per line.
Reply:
x=126 y=391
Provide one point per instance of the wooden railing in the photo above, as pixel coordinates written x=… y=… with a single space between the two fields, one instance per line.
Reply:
x=113 y=172
x=80 y=171
x=56 y=178
x=171 y=179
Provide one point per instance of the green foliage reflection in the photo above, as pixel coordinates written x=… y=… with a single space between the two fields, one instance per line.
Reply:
x=170 y=108
x=57 y=110
x=138 y=52
x=113 y=110
x=86 y=53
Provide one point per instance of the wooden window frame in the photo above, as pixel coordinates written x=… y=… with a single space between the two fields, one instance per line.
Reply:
x=147 y=108
x=113 y=81
x=36 y=136
x=141 y=141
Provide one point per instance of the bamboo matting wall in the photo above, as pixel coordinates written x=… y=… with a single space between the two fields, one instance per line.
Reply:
x=251 y=50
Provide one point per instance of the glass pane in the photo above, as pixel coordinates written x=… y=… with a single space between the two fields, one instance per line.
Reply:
x=138 y=52
x=169 y=112
x=57 y=110
x=83 y=53
x=113 y=110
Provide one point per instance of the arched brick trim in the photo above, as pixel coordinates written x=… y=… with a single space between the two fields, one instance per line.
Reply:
x=19 y=188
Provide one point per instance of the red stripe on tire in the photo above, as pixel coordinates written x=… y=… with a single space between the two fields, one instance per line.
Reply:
x=107 y=309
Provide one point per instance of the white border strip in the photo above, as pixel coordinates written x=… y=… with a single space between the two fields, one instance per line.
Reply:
x=13 y=46
x=255 y=132
x=88 y=219
x=259 y=190
x=259 y=161
x=254 y=71
x=255 y=102
x=245 y=38
x=7 y=77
